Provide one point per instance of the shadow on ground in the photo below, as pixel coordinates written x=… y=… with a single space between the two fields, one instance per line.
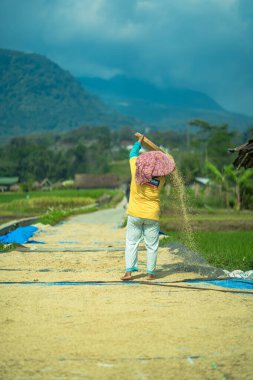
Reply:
x=192 y=262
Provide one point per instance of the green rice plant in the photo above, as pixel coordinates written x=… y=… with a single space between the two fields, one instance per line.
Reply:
x=37 y=203
x=45 y=202
x=68 y=202
x=54 y=206
x=8 y=197
x=63 y=210
x=40 y=205
x=228 y=250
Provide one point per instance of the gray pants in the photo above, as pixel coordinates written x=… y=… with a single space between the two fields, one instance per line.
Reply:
x=136 y=227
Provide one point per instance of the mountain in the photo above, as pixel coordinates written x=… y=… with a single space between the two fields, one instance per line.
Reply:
x=37 y=95
x=167 y=107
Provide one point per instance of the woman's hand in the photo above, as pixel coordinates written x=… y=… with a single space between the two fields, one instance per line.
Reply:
x=140 y=139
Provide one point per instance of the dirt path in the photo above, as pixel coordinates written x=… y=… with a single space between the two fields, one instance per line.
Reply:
x=116 y=330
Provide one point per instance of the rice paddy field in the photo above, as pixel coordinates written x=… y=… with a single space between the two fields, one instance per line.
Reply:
x=229 y=250
x=52 y=206
x=223 y=237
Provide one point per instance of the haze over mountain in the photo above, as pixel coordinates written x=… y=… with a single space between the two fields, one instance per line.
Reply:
x=164 y=107
x=202 y=45
x=38 y=95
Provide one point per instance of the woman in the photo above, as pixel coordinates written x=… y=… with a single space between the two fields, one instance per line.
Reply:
x=148 y=173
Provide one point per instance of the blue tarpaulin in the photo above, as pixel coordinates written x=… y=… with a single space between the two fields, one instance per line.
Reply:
x=20 y=236
x=234 y=283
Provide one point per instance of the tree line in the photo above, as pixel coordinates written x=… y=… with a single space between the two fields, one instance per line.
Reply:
x=199 y=150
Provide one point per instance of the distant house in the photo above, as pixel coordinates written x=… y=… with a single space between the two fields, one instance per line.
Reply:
x=8 y=183
x=96 y=181
x=198 y=184
x=45 y=185
x=127 y=144
x=202 y=181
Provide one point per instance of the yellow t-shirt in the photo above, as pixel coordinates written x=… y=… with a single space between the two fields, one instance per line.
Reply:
x=144 y=199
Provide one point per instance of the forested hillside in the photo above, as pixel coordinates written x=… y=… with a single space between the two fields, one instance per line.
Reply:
x=38 y=95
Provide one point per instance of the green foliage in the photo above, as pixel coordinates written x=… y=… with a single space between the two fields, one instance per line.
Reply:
x=120 y=168
x=234 y=183
x=58 y=159
x=7 y=247
x=215 y=171
x=190 y=164
x=212 y=141
x=96 y=150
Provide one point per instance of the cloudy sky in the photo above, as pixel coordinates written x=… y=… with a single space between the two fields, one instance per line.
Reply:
x=206 y=45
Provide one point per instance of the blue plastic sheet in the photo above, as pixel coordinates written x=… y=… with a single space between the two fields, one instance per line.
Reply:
x=233 y=283
x=69 y=283
x=20 y=236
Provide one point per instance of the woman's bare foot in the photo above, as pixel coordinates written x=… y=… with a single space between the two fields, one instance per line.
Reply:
x=127 y=276
x=150 y=276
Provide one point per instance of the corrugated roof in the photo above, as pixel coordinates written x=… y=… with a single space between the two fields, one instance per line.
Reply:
x=203 y=181
x=6 y=181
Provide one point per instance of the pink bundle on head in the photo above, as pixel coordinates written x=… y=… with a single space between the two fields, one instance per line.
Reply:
x=153 y=164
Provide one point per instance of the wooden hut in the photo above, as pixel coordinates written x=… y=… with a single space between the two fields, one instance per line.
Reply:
x=245 y=155
x=6 y=183
x=96 y=181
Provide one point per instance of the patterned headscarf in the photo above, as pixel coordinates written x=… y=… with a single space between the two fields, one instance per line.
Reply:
x=153 y=164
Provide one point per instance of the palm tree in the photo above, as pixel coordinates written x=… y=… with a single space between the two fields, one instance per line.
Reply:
x=221 y=178
x=239 y=177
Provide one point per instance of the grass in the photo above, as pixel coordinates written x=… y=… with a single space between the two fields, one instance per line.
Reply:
x=7 y=247
x=228 y=250
x=54 y=216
